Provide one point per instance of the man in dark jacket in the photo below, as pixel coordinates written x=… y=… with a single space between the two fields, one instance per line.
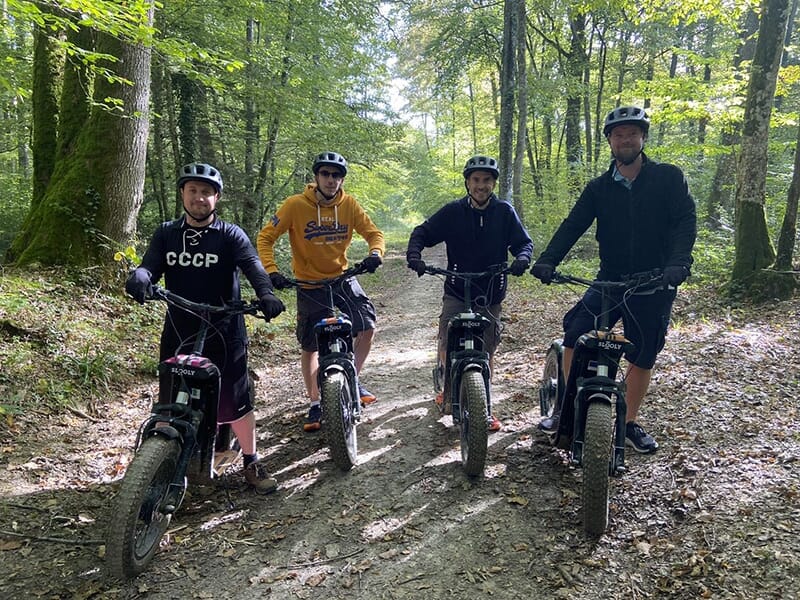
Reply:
x=200 y=257
x=478 y=230
x=645 y=220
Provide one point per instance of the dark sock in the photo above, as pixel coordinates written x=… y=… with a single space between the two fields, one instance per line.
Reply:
x=249 y=459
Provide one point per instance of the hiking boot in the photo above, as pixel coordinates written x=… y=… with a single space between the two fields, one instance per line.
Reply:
x=367 y=397
x=257 y=476
x=493 y=423
x=314 y=419
x=638 y=439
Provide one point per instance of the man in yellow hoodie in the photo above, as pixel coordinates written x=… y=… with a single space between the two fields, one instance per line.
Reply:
x=321 y=222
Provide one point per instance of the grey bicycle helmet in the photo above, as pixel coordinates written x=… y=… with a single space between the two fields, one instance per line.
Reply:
x=331 y=159
x=481 y=163
x=200 y=172
x=626 y=115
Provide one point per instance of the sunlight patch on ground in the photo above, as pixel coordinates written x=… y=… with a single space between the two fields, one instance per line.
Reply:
x=464 y=513
x=377 y=530
x=306 y=477
x=450 y=456
x=495 y=470
x=300 y=483
x=402 y=356
x=365 y=457
x=413 y=413
x=218 y=520
x=380 y=433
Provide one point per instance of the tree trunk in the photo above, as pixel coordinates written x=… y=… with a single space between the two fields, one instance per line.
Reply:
x=753 y=246
x=507 y=76
x=48 y=64
x=783 y=260
x=522 y=111
x=594 y=152
x=162 y=182
x=90 y=206
x=575 y=65
x=250 y=215
x=724 y=176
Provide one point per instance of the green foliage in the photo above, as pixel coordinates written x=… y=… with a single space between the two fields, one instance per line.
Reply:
x=91 y=369
x=14 y=203
x=67 y=342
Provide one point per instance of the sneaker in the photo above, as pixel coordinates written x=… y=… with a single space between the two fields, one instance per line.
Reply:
x=638 y=439
x=549 y=424
x=257 y=476
x=314 y=419
x=493 y=423
x=367 y=397
x=444 y=408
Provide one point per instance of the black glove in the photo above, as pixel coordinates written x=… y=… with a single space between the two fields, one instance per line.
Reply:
x=543 y=272
x=418 y=265
x=279 y=282
x=139 y=285
x=519 y=266
x=371 y=263
x=675 y=275
x=271 y=306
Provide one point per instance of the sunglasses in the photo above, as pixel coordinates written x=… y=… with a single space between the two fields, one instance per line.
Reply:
x=334 y=174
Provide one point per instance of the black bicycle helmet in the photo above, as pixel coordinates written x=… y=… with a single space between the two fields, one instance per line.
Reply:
x=481 y=163
x=626 y=115
x=329 y=158
x=200 y=172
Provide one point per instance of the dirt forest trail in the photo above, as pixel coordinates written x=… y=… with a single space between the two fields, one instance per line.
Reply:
x=713 y=514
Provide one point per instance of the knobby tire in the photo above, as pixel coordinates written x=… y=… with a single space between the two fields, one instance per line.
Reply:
x=136 y=524
x=596 y=458
x=338 y=424
x=474 y=429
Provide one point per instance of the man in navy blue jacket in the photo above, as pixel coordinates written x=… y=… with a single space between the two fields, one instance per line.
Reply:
x=478 y=230
x=645 y=220
x=200 y=257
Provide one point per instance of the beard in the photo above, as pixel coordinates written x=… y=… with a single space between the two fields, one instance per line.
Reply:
x=627 y=155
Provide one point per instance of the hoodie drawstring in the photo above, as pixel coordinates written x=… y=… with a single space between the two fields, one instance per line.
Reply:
x=335 y=216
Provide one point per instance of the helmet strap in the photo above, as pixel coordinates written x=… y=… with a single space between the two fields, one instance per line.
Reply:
x=630 y=161
x=210 y=217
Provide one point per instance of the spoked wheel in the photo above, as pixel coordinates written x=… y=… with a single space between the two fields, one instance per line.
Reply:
x=339 y=420
x=474 y=429
x=138 y=519
x=597 y=450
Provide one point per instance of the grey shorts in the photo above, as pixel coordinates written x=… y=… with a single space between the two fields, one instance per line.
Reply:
x=491 y=336
x=312 y=307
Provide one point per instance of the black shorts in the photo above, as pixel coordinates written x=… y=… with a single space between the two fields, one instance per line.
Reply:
x=312 y=307
x=231 y=359
x=645 y=319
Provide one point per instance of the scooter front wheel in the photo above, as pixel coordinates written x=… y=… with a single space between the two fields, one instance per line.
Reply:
x=597 y=446
x=339 y=422
x=138 y=517
x=474 y=429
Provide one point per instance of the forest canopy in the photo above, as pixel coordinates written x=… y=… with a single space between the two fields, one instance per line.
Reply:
x=104 y=101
